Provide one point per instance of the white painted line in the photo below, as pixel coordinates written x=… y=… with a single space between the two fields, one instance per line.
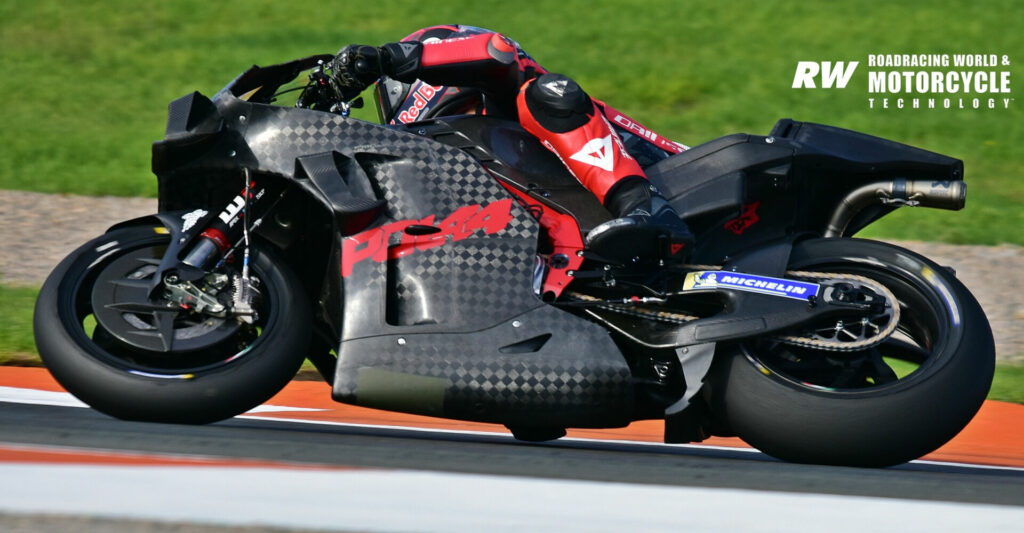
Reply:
x=65 y=399
x=374 y=500
x=39 y=397
x=265 y=408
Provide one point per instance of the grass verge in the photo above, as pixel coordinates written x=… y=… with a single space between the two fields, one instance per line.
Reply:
x=88 y=82
x=18 y=348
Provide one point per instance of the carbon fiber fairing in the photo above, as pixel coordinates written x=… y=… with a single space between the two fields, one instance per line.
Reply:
x=447 y=267
x=542 y=368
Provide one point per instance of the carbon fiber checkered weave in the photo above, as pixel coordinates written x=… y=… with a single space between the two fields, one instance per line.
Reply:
x=457 y=325
x=461 y=286
x=575 y=378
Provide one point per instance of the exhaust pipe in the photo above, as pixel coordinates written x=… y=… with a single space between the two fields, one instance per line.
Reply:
x=951 y=195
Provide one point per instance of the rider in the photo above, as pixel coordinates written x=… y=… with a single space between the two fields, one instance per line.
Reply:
x=453 y=69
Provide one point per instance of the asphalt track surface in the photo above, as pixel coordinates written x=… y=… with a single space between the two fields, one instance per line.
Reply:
x=31 y=429
x=303 y=443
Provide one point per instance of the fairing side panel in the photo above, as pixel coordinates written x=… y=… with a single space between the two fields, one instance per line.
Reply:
x=434 y=322
x=542 y=368
x=472 y=274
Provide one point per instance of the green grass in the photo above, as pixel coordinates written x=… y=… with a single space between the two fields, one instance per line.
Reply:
x=1008 y=384
x=86 y=84
x=17 y=346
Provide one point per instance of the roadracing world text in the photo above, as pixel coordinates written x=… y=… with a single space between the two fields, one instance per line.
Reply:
x=918 y=81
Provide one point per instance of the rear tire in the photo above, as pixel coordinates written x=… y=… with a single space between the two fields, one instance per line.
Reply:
x=789 y=404
x=240 y=368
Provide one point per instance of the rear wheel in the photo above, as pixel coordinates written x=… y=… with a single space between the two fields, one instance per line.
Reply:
x=879 y=406
x=110 y=345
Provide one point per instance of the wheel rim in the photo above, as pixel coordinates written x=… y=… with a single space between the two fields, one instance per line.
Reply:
x=171 y=343
x=912 y=352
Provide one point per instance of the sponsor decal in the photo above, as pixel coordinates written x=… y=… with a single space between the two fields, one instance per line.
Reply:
x=230 y=213
x=746 y=219
x=636 y=129
x=716 y=279
x=375 y=244
x=918 y=80
x=421 y=98
x=597 y=152
x=189 y=219
x=557 y=86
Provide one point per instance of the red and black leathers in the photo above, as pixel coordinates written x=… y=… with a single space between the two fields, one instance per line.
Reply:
x=446 y=69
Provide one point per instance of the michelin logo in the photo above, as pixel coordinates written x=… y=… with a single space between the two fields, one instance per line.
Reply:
x=785 y=288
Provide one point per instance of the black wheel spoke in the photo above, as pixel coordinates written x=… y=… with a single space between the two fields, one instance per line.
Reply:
x=882 y=372
x=901 y=349
x=139 y=307
x=133 y=283
x=164 y=322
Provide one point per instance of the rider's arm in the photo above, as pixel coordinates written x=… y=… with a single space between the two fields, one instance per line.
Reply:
x=488 y=61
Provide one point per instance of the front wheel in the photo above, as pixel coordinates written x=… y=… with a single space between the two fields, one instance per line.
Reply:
x=874 y=407
x=137 y=358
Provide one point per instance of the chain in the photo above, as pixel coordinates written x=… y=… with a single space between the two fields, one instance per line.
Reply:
x=839 y=346
x=642 y=312
x=807 y=342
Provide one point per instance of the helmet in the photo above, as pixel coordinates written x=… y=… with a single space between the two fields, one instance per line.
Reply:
x=400 y=102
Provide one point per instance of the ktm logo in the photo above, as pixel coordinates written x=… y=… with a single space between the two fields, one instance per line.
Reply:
x=374 y=244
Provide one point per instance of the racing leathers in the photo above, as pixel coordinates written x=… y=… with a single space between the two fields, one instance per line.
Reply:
x=458 y=69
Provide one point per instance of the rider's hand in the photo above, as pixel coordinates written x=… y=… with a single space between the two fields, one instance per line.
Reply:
x=356 y=67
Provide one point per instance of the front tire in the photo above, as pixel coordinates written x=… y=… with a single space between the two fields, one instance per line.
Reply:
x=221 y=369
x=878 y=407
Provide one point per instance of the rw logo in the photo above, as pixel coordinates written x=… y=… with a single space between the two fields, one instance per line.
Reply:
x=837 y=74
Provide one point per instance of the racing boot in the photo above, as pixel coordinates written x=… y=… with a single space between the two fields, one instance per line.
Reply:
x=568 y=122
x=646 y=226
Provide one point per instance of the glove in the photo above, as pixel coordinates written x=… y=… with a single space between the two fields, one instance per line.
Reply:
x=356 y=66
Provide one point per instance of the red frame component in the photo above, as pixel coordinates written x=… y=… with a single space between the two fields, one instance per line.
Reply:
x=566 y=239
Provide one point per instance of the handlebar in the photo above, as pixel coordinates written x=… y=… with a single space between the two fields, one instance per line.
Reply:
x=324 y=93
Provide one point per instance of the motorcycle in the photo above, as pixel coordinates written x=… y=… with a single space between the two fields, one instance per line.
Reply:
x=439 y=268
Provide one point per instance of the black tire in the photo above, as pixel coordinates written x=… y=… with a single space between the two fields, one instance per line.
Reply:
x=785 y=401
x=237 y=369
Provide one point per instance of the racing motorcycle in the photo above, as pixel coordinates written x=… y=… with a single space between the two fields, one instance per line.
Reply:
x=439 y=268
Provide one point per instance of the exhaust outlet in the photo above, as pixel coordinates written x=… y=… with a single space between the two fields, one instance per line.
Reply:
x=951 y=195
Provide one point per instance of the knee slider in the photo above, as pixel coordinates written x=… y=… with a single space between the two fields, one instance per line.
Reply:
x=558 y=103
x=559 y=95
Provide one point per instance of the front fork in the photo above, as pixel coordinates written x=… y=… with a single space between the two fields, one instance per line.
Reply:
x=205 y=244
